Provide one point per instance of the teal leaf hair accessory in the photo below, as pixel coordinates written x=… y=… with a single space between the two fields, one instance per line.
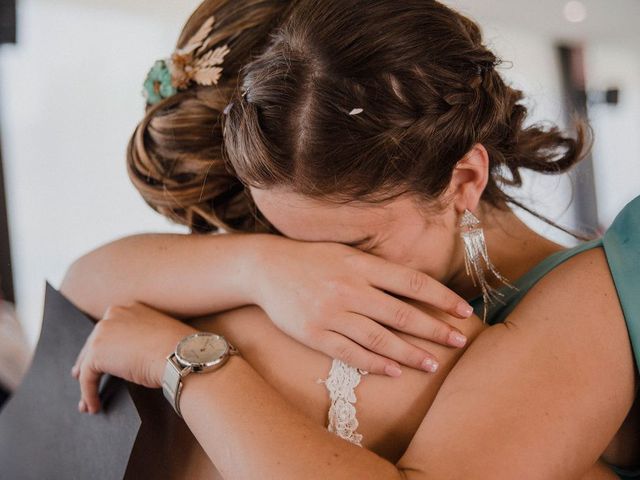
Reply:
x=158 y=83
x=186 y=65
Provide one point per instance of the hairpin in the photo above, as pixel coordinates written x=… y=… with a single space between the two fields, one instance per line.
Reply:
x=487 y=66
x=356 y=111
x=228 y=108
x=168 y=75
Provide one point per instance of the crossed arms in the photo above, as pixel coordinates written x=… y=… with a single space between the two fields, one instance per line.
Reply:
x=539 y=396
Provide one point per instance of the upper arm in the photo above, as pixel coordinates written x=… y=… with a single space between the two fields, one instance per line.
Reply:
x=99 y=276
x=539 y=396
x=182 y=275
x=147 y=267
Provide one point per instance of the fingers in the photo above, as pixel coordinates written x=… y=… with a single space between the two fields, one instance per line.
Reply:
x=378 y=339
x=89 y=380
x=351 y=353
x=404 y=317
x=75 y=370
x=417 y=285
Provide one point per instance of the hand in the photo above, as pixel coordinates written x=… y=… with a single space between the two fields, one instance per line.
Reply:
x=129 y=342
x=333 y=298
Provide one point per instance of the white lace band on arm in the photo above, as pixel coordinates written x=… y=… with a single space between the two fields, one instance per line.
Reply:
x=342 y=381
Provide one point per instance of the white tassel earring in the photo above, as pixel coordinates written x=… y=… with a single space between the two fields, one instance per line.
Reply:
x=476 y=260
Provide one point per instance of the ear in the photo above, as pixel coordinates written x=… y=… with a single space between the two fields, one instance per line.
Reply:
x=469 y=179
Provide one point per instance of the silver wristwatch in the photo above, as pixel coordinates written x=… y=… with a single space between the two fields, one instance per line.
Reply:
x=199 y=352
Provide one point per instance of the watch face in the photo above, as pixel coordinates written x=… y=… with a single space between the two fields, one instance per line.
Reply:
x=202 y=349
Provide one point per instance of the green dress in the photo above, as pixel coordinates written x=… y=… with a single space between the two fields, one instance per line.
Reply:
x=621 y=243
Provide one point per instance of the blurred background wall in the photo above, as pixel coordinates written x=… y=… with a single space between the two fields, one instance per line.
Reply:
x=70 y=98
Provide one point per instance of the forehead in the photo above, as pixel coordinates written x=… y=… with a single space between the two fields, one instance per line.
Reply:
x=304 y=218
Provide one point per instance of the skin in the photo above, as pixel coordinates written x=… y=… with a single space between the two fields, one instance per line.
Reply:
x=540 y=386
x=401 y=232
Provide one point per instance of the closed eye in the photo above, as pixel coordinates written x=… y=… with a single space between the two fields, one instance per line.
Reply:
x=367 y=244
x=359 y=243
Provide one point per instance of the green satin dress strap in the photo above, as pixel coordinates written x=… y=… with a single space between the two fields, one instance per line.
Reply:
x=621 y=244
x=498 y=312
x=622 y=247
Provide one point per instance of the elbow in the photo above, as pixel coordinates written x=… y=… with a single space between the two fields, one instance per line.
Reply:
x=103 y=276
x=70 y=284
x=76 y=287
x=402 y=474
x=409 y=473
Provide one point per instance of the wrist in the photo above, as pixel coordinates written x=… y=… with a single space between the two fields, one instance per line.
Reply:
x=260 y=252
x=221 y=380
x=202 y=353
x=172 y=340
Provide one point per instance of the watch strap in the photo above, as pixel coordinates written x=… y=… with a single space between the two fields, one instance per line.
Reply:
x=174 y=373
x=172 y=382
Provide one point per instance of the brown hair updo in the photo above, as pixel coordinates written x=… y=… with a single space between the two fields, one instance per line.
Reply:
x=174 y=157
x=428 y=90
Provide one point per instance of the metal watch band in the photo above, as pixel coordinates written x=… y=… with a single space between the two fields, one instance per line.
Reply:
x=172 y=382
x=174 y=373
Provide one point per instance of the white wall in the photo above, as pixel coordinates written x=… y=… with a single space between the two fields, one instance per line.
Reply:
x=532 y=65
x=617 y=145
x=70 y=97
x=527 y=33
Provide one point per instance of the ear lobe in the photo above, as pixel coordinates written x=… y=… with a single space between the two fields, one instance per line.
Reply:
x=470 y=178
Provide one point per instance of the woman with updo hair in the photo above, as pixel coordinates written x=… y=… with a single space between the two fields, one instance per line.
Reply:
x=381 y=311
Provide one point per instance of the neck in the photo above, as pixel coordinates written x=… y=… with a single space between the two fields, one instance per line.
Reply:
x=512 y=246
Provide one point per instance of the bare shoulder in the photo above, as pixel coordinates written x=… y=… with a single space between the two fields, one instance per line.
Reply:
x=540 y=395
x=575 y=313
x=577 y=304
x=583 y=283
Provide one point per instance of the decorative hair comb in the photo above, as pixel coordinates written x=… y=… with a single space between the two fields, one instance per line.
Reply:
x=185 y=66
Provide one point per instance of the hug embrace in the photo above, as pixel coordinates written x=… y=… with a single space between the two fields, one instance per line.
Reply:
x=367 y=305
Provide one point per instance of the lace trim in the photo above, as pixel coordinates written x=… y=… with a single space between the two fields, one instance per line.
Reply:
x=341 y=382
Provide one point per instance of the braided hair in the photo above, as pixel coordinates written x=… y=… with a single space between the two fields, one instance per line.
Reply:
x=370 y=99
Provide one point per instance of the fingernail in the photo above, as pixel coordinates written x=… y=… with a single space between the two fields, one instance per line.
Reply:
x=81 y=406
x=457 y=339
x=73 y=371
x=464 y=309
x=430 y=365
x=392 y=371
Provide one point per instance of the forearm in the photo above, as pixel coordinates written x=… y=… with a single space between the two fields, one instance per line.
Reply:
x=250 y=431
x=180 y=274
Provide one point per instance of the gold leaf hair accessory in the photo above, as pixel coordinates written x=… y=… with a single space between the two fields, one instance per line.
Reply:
x=184 y=66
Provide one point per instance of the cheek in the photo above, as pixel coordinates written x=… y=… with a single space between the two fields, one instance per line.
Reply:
x=430 y=251
x=437 y=260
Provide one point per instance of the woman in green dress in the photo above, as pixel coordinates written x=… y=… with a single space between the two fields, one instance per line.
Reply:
x=367 y=149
